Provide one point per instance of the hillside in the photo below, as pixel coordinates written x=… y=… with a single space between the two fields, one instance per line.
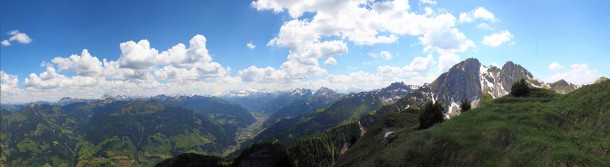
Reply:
x=324 y=149
x=228 y=115
x=36 y=135
x=349 y=108
x=111 y=132
x=147 y=131
x=469 y=79
x=261 y=154
x=563 y=87
x=322 y=97
x=541 y=129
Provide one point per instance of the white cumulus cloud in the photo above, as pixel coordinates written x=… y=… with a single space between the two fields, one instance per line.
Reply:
x=140 y=70
x=497 y=39
x=447 y=60
x=15 y=35
x=417 y=66
x=555 y=66
x=449 y=41
x=5 y=43
x=250 y=45
x=363 y=23
x=431 y=2
x=83 y=65
x=416 y=72
x=255 y=74
x=331 y=61
x=139 y=59
x=478 y=13
x=138 y=56
x=50 y=79
x=577 y=74
x=8 y=83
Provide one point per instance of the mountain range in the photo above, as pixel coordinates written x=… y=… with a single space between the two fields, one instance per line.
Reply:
x=540 y=129
x=317 y=127
x=119 y=132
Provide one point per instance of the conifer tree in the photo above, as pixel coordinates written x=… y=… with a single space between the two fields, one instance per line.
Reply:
x=464 y=105
x=520 y=88
x=430 y=115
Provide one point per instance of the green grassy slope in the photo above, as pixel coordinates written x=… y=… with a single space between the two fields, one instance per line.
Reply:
x=541 y=129
x=373 y=141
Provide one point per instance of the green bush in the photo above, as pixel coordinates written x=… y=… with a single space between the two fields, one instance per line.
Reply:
x=430 y=115
x=465 y=105
x=486 y=98
x=520 y=88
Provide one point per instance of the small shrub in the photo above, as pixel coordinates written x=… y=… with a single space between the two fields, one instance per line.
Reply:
x=520 y=88
x=465 y=104
x=486 y=98
x=430 y=115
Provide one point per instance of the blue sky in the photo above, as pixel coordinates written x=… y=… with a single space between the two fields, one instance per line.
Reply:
x=297 y=44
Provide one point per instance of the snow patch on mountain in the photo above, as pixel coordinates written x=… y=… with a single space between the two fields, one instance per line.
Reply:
x=455 y=107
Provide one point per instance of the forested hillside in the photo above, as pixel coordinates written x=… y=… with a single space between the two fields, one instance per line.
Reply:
x=118 y=132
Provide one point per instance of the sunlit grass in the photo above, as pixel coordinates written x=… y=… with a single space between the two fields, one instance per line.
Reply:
x=543 y=128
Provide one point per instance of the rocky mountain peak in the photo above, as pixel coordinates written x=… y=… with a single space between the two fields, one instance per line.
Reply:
x=471 y=79
x=563 y=86
x=471 y=60
x=601 y=79
x=324 y=91
x=394 y=92
x=68 y=100
x=300 y=92
x=397 y=85
x=561 y=82
x=468 y=64
x=508 y=64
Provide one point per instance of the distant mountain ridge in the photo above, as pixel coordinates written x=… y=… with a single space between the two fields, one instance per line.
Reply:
x=322 y=97
x=266 y=101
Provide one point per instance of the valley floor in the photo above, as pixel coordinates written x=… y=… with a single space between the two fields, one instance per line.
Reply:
x=248 y=132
